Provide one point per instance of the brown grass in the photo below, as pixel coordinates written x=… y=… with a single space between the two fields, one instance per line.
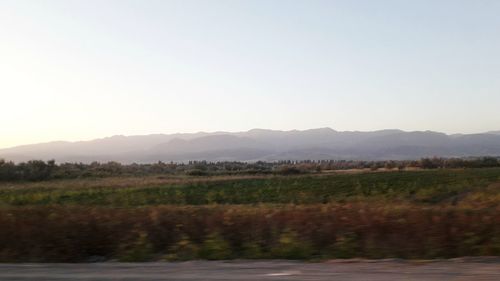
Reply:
x=125 y=182
x=265 y=231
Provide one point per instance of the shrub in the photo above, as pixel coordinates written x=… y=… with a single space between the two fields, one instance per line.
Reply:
x=291 y=246
x=215 y=248
x=183 y=250
x=140 y=251
x=196 y=172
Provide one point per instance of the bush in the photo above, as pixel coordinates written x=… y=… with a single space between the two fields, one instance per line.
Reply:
x=140 y=251
x=183 y=250
x=292 y=232
x=196 y=172
x=346 y=246
x=291 y=246
x=215 y=248
x=288 y=170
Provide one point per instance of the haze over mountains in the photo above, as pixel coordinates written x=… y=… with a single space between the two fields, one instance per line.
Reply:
x=266 y=145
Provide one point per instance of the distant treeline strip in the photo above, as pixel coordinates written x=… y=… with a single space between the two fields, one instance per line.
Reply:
x=82 y=234
x=37 y=170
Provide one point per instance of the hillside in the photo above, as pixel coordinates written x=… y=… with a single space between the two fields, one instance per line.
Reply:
x=260 y=144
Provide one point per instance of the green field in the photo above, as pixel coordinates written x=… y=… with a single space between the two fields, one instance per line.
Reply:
x=406 y=214
x=431 y=187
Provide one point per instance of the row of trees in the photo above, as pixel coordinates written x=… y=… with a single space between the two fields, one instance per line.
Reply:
x=37 y=170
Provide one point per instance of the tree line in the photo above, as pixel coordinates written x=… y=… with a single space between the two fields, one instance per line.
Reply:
x=38 y=170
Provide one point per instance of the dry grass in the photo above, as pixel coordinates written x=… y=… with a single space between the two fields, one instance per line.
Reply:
x=240 y=231
x=162 y=180
x=125 y=182
x=431 y=214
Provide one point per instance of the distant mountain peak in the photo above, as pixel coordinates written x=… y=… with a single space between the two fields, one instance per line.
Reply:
x=264 y=144
x=324 y=129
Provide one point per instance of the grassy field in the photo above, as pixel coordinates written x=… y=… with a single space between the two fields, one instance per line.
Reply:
x=431 y=187
x=406 y=214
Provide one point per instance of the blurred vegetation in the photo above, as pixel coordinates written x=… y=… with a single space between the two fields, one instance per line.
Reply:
x=319 y=231
x=428 y=187
x=37 y=170
x=424 y=214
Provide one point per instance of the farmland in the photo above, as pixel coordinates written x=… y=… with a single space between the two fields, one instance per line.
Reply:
x=440 y=213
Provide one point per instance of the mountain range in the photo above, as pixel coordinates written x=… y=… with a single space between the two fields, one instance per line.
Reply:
x=265 y=145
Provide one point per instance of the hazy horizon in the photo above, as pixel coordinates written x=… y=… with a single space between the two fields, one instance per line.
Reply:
x=242 y=131
x=81 y=70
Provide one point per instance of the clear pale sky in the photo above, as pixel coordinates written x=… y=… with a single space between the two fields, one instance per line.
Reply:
x=77 y=70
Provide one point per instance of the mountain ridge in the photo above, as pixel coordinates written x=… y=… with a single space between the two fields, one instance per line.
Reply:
x=263 y=144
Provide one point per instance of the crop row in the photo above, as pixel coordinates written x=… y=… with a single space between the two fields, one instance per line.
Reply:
x=421 y=187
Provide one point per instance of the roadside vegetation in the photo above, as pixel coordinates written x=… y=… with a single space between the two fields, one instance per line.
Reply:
x=398 y=213
x=318 y=231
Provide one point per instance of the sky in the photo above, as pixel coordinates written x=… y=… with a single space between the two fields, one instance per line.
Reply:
x=78 y=70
